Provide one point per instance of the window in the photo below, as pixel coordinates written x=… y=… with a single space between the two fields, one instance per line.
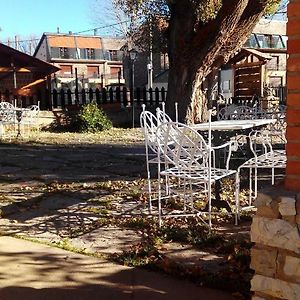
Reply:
x=115 y=72
x=284 y=41
x=93 y=71
x=273 y=64
x=226 y=86
x=113 y=54
x=275 y=81
x=164 y=61
x=66 y=70
x=266 y=41
x=90 y=53
x=64 y=52
x=277 y=42
x=55 y=53
x=252 y=42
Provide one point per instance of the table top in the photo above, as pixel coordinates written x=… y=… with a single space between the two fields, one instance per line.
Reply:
x=223 y=125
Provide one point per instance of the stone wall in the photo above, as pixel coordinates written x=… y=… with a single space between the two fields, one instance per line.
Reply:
x=275 y=257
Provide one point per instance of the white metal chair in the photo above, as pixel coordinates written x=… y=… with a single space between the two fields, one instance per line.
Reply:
x=278 y=128
x=149 y=123
x=162 y=117
x=29 y=118
x=267 y=159
x=7 y=117
x=240 y=112
x=190 y=160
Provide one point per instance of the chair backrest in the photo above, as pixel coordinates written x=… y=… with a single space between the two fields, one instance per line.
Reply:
x=30 y=114
x=148 y=122
x=225 y=112
x=262 y=138
x=244 y=112
x=278 y=128
x=182 y=146
x=241 y=112
x=163 y=105
x=6 y=105
x=7 y=112
x=162 y=117
x=34 y=108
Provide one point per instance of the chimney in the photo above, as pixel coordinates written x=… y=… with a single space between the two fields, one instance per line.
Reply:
x=57 y=29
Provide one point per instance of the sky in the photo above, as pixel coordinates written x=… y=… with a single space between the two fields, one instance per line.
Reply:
x=27 y=18
x=30 y=18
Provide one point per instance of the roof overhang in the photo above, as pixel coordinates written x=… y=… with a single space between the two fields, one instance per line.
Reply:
x=245 y=52
x=13 y=60
x=260 y=55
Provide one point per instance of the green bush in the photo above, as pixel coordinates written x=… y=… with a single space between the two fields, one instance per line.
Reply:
x=91 y=118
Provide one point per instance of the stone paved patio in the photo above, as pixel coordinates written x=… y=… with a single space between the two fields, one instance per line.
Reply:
x=51 y=193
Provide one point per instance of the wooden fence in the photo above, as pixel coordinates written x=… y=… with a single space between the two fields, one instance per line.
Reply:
x=67 y=98
x=120 y=96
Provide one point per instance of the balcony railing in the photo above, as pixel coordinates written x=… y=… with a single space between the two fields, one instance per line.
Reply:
x=75 y=54
x=104 y=75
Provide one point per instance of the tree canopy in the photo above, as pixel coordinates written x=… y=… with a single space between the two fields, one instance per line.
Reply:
x=201 y=36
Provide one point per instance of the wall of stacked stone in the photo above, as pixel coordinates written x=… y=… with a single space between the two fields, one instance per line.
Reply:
x=275 y=257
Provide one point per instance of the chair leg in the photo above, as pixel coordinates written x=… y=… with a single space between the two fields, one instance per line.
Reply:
x=167 y=182
x=149 y=189
x=209 y=205
x=237 y=199
x=273 y=176
x=255 y=183
x=159 y=198
x=250 y=186
x=149 y=181
x=184 y=194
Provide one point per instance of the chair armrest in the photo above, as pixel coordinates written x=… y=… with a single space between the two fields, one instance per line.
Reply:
x=230 y=145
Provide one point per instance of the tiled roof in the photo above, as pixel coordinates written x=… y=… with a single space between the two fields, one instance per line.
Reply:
x=74 y=41
x=113 y=43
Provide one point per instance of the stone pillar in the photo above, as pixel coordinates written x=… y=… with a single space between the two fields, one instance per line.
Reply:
x=275 y=229
x=292 y=180
x=275 y=258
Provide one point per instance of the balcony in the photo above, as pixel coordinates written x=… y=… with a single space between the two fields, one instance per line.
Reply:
x=65 y=75
x=85 y=54
x=105 y=79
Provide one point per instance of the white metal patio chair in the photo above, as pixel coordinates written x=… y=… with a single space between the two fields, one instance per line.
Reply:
x=278 y=128
x=267 y=159
x=190 y=160
x=240 y=112
x=30 y=115
x=149 y=123
x=162 y=117
x=7 y=118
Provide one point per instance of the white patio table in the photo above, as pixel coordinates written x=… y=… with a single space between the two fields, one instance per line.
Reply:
x=228 y=125
x=223 y=130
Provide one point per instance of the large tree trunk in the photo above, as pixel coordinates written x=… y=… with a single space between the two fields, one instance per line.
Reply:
x=196 y=48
